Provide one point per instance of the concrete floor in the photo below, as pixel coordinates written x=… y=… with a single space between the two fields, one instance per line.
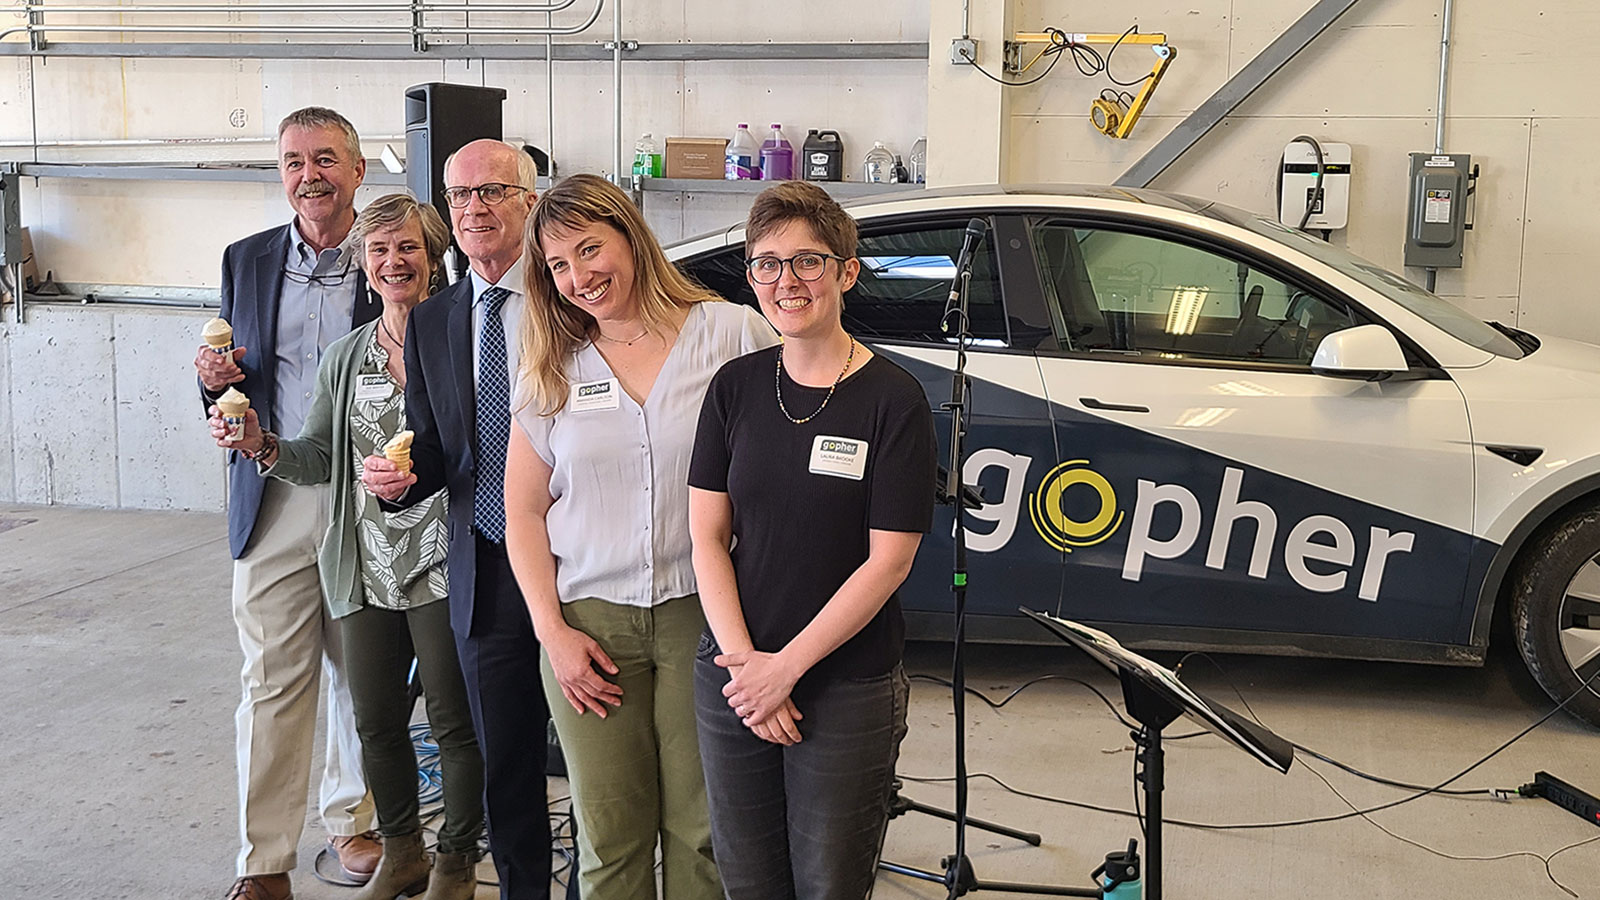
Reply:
x=118 y=680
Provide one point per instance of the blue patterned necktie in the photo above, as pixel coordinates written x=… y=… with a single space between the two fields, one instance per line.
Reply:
x=494 y=420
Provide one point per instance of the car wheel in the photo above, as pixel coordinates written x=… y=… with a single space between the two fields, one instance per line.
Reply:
x=1555 y=611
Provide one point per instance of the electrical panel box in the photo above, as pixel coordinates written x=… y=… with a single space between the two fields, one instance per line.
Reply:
x=1436 y=215
x=1298 y=178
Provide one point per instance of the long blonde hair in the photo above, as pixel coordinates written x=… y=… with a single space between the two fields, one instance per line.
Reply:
x=553 y=328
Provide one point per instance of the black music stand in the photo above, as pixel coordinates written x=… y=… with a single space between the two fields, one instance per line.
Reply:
x=1155 y=699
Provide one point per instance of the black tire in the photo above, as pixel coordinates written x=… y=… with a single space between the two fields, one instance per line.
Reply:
x=1555 y=611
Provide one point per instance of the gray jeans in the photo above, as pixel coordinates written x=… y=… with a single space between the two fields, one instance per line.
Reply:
x=804 y=822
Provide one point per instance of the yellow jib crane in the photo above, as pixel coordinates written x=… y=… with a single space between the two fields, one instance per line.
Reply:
x=1109 y=115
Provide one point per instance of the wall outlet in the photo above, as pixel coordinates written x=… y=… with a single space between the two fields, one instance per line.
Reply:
x=963 y=51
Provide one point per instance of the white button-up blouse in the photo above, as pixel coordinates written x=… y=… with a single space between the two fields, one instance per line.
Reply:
x=619 y=526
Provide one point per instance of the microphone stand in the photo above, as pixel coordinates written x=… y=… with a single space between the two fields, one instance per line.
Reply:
x=958 y=875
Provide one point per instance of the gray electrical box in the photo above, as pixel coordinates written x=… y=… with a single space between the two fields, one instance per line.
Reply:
x=10 y=219
x=1436 y=217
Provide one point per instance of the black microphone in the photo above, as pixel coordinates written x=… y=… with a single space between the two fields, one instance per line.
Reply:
x=976 y=228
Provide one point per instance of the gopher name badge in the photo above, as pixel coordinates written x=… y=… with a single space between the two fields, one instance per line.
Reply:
x=373 y=387
x=838 y=456
x=595 y=395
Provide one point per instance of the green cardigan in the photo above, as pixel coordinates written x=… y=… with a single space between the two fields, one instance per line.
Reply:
x=308 y=459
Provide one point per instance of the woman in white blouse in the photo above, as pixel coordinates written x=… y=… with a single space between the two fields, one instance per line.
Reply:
x=617 y=348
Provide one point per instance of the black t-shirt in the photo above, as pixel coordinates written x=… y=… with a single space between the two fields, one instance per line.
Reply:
x=805 y=496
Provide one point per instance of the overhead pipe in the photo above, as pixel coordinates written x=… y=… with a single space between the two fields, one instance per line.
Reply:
x=34 y=30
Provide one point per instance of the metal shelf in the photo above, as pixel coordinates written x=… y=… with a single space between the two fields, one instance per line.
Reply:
x=245 y=172
x=843 y=190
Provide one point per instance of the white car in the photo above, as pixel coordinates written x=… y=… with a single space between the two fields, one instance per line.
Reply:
x=1198 y=428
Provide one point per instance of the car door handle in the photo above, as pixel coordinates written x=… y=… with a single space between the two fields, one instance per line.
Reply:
x=1092 y=403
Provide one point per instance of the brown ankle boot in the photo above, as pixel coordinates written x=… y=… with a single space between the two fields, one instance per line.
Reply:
x=455 y=877
x=402 y=870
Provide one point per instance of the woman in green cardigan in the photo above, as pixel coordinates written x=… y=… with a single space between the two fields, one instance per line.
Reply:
x=383 y=575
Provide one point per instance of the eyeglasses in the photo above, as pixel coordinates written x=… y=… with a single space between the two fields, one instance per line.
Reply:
x=330 y=279
x=492 y=194
x=805 y=266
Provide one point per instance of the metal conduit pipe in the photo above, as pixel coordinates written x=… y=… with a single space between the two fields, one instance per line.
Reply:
x=1444 y=77
x=303 y=8
x=172 y=142
x=616 y=88
x=1431 y=275
x=255 y=28
x=330 y=9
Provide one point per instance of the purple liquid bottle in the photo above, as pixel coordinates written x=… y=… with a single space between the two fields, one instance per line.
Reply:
x=777 y=156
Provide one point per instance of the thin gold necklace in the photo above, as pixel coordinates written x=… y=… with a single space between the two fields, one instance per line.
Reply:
x=629 y=341
x=777 y=383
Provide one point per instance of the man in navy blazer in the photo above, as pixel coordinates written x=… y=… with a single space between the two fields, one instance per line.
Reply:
x=461 y=360
x=288 y=292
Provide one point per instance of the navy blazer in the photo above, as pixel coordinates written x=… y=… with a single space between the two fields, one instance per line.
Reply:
x=442 y=410
x=252 y=283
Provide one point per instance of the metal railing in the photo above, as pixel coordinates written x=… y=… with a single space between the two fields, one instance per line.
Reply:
x=417 y=20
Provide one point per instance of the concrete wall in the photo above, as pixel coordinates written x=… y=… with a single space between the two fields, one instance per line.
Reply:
x=97 y=404
x=1517 y=101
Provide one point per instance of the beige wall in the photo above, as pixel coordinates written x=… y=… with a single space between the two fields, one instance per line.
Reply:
x=170 y=233
x=1520 y=101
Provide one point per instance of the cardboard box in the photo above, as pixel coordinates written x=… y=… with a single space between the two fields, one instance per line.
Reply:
x=696 y=157
x=30 y=268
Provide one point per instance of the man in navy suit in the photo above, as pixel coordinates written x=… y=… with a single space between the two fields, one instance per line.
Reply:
x=289 y=292
x=461 y=363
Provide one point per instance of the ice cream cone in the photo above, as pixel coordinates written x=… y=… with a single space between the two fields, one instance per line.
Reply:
x=398 y=451
x=233 y=406
x=218 y=335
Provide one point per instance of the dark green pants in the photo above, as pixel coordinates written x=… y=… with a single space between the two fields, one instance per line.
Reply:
x=378 y=647
x=636 y=775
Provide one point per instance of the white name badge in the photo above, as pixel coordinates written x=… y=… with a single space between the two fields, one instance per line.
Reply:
x=838 y=456
x=373 y=387
x=595 y=395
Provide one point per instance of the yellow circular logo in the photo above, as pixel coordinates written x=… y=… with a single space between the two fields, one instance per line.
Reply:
x=1049 y=513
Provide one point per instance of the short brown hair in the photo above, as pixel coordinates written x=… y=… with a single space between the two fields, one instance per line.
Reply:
x=323 y=117
x=789 y=201
x=394 y=210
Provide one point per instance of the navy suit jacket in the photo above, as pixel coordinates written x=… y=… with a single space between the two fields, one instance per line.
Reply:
x=442 y=410
x=252 y=283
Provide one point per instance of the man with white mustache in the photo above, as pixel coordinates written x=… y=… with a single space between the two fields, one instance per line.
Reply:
x=289 y=292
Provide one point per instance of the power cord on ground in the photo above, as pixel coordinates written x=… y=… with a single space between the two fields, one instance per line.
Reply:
x=1364 y=813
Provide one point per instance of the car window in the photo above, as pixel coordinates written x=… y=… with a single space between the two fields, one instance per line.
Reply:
x=901 y=292
x=1441 y=313
x=1137 y=294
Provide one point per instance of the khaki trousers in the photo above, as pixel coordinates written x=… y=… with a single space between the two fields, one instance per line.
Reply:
x=289 y=642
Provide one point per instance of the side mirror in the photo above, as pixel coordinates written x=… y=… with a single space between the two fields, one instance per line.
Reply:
x=1365 y=351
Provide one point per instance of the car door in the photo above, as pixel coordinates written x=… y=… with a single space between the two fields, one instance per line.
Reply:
x=897 y=307
x=1209 y=479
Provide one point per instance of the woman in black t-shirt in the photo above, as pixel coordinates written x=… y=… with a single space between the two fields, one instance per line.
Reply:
x=813 y=462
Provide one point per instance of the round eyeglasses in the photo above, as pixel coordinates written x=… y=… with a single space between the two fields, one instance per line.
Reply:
x=492 y=194
x=805 y=266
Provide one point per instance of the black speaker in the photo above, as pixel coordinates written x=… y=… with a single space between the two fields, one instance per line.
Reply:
x=441 y=119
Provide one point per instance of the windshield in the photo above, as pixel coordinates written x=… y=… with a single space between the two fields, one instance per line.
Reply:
x=1442 y=314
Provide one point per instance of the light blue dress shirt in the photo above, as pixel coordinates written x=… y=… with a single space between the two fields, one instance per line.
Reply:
x=310 y=317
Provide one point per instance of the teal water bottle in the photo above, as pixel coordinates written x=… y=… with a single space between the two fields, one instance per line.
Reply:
x=1118 y=876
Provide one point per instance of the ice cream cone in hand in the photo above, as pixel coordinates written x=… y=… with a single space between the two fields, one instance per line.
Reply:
x=218 y=335
x=233 y=406
x=398 y=451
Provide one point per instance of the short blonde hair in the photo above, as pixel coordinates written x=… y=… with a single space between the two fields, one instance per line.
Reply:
x=394 y=210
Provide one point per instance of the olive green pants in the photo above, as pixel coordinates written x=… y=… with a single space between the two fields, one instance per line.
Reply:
x=636 y=774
